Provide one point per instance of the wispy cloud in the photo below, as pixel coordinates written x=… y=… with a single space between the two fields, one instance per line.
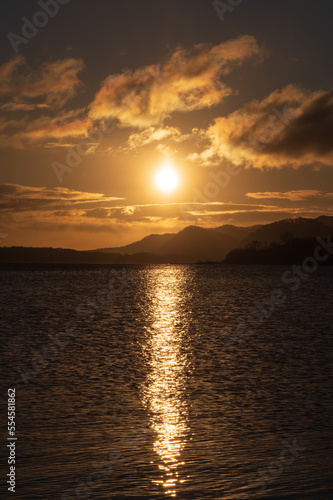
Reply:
x=42 y=130
x=290 y=127
x=54 y=82
x=41 y=91
x=17 y=198
x=297 y=195
x=153 y=134
x=189 y=80
x=18 y=105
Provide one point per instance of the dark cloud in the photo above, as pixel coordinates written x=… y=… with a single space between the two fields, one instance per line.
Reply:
x=290 y=127
x=309 y=133
x=55 y=82
x=16 y=198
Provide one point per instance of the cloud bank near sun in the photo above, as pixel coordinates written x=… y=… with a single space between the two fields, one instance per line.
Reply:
x=290 y=127
x=296 y=195
x=187 y=81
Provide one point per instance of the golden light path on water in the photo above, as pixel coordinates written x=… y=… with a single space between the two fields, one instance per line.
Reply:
x=164 y=392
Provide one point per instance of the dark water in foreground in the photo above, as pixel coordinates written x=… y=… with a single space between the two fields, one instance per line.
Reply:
x=157 y=391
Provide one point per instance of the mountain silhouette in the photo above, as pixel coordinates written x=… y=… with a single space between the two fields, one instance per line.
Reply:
x=295 y=251
x=296 y=228
x=189 y=245
x=237 y=232
x=151 y=243
x=196 y=243
x=326 y=219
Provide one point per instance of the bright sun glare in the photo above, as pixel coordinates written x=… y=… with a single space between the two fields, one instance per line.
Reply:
x=167 y=178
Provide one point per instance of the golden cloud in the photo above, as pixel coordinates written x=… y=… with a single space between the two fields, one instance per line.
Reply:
x=18 y=105
x=55 y=82
x=189 y=80
x=153 y=134
x=291 y=127
x=17 y=198
x=7 y=123
x=297 y=195
x=44 y=129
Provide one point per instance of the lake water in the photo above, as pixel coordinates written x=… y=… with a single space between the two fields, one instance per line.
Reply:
x=161 y=390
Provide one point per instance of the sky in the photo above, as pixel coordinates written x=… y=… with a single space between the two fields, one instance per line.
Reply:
x=234 y=99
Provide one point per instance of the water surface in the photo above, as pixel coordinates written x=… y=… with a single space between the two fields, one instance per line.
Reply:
x=152 y=391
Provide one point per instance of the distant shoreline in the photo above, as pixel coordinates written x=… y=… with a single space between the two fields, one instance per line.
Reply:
x=292 y=252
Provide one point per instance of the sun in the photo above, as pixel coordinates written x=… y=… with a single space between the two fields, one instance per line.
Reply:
x=167 y=178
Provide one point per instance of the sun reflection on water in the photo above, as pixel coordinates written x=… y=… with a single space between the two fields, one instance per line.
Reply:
x=164 y=391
